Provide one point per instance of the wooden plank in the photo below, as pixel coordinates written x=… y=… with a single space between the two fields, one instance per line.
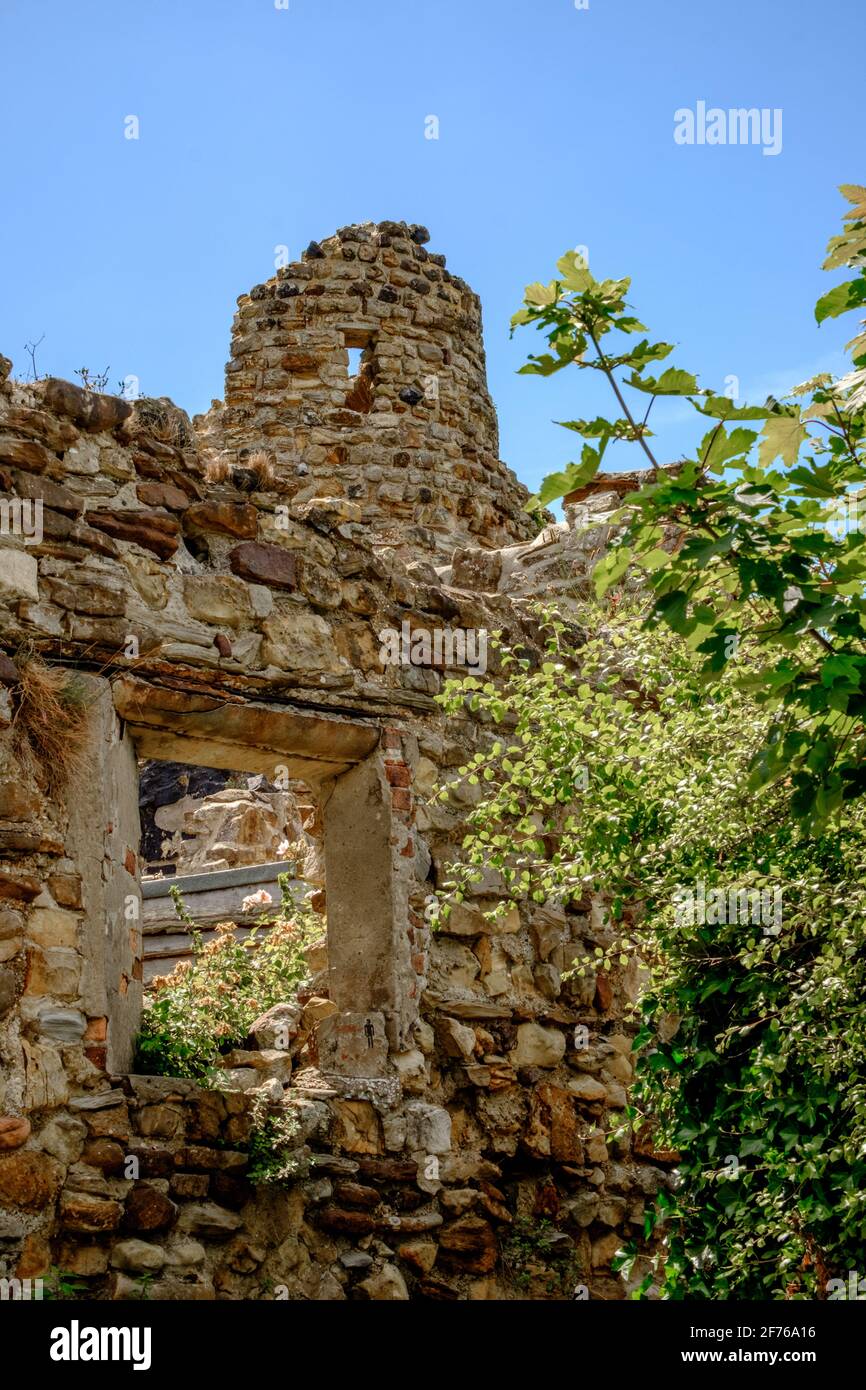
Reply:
x=214 y=878
x=214 y=905
x=210 y=898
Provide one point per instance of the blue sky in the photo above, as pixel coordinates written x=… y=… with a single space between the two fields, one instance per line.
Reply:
x=262 y=126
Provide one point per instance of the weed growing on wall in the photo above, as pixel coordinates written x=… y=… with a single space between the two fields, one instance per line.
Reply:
x=50 y=723
x=276 y=1158
x=539 y=1259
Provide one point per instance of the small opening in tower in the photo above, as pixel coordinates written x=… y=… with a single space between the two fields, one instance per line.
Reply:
x=360 y=356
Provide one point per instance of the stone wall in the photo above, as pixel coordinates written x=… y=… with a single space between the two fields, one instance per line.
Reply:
x=248 y=821
x=459 y=1089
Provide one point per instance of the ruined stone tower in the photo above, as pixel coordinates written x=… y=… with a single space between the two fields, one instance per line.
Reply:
x=408 y=434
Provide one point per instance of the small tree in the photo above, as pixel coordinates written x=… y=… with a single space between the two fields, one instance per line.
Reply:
x=754 y=535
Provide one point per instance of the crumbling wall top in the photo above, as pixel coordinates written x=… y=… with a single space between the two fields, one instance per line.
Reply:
x=409 y=430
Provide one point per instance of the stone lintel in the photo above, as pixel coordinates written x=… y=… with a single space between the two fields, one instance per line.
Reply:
x=191 y=727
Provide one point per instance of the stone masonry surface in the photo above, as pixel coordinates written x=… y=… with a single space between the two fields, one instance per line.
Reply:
x=218 y=588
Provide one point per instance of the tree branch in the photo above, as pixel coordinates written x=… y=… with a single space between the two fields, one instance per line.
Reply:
x=608 y=371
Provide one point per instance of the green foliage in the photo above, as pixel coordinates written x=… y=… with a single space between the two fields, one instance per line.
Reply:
x=535 y=1255
x=62 y=1286
x=207 y=1005
x=618 y=766
x=276 y=1159
x=743 y=538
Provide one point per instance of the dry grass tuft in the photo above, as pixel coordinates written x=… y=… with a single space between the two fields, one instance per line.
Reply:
x=50 y=724
x=216 y=469
x=164 y=421
x=260 y=463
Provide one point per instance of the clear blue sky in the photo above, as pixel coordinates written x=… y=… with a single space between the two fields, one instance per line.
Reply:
x=261 y=126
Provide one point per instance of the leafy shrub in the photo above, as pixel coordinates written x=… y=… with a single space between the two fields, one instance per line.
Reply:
x=753 y=1042
x=752 y=536
x=207 y=1004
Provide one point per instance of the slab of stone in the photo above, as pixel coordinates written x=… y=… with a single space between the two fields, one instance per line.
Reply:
x=86 y=1212
x=352 y=1044
x=19 y=575
x=538 y=1046
x=207 y=1219
x=62 y=1025
x=428 y=1128
x=97 y=1100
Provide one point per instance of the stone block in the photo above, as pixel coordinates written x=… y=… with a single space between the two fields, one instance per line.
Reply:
x=18 y=575
x=353 y=1044
x=62 y=1025
x=428 y=1128
x=538 y=1046
x=84 y=1211
x=208 y=1220
x=357 y=1128
x=388 y=1285
x=138 y=1257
